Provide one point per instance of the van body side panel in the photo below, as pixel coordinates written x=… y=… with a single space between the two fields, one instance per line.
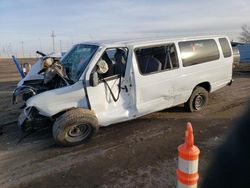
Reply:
x=165 y=89
x=225 y=70
x=217 y=73
x=154 y=91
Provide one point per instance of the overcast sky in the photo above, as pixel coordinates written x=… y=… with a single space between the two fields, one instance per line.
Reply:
x=32 y=21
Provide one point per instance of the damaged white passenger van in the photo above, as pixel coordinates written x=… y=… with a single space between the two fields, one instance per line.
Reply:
x=102 y=83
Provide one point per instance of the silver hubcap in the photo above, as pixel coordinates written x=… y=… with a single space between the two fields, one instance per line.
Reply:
x=199 y=102
x=78 y=133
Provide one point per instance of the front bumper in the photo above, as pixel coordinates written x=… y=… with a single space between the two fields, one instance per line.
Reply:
x=31 y=119
x=23 y=117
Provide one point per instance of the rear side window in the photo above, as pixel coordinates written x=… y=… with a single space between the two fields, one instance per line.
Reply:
x=199 y=51
x=225 y=47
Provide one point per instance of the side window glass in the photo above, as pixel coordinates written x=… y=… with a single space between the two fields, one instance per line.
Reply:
x=172 y=58
x=112 y=62
x=225 y=47
x=199 y=51
x=156 y=59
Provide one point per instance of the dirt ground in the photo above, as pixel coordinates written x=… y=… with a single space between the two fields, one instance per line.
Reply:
x=138 y=153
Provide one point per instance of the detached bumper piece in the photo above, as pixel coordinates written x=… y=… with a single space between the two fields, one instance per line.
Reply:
x=30 y=119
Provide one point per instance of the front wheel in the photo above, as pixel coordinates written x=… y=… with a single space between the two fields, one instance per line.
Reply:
x=197 y=100
x=74 y=127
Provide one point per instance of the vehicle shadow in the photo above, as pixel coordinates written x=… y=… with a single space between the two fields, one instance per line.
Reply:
x=179 y=108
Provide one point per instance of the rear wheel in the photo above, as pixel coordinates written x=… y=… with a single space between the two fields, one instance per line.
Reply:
x=74 y=127
x=197 y=100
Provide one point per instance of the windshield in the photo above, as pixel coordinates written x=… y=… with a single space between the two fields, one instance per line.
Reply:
x=77 y=59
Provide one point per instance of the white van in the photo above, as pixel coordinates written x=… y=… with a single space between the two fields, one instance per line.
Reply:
x=102 y=83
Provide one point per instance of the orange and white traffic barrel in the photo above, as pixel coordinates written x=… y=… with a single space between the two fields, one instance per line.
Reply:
x=188 y=158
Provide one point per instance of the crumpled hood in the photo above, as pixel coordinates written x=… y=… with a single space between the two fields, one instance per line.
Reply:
x=33 y=73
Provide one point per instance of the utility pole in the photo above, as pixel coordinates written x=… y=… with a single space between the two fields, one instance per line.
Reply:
x=53 y=40
x=4 y=52
x=22 y=48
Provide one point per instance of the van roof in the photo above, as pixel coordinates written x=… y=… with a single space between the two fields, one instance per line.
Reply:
x=142 y=41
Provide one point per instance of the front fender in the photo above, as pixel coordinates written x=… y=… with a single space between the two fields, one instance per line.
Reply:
x=54 y=101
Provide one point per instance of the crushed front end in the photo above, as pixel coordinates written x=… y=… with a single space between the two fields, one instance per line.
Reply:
x=30 y=119
x=46 y=74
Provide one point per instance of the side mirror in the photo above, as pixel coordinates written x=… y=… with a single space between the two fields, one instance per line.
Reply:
x=94 y=79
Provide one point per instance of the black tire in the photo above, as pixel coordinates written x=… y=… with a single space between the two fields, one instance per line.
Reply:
x=75 y=127
x=197 y=100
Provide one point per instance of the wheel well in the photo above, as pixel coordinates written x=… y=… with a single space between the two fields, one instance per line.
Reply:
x=205 y=85
x=60 y=113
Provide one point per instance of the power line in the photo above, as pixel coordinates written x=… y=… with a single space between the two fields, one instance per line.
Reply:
x=53 y=40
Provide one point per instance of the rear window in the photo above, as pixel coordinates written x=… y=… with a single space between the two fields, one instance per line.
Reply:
x=225 y=47
x=199 y=51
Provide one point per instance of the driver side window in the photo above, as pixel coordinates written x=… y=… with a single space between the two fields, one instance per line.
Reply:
x=112 y=62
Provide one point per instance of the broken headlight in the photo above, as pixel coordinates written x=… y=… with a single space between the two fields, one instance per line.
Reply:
x=22 y=93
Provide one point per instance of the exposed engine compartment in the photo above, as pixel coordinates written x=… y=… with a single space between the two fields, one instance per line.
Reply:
x=53 y=76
